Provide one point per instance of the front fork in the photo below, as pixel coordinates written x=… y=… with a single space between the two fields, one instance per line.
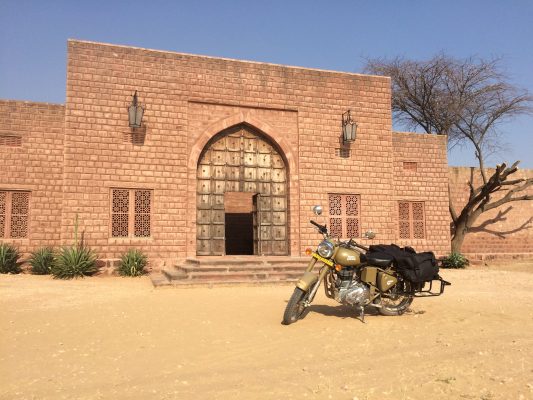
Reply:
x=316 y=285
x=311 y=264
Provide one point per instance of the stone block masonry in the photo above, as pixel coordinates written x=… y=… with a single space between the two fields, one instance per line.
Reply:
x=189 y=99
x=507 y=229
x=140 y=187
x=421 y=176
x=31 y=161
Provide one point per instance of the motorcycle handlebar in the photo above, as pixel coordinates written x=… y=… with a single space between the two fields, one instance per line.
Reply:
x=352 y=242
x=362 y=247
x=321 y=228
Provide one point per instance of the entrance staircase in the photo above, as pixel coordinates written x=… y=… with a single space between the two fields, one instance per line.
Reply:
x=231 y=270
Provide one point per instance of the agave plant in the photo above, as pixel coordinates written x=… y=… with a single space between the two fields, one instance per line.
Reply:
x=41 y=261
x=9 y=256
x=74 y=262
x=132 y=263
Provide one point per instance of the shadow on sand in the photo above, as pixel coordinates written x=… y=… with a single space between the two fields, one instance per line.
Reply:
x=341 y=311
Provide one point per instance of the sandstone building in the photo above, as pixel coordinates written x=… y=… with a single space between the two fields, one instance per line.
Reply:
x=229 y=159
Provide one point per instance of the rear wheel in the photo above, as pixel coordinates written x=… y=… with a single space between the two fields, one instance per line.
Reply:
x=397 y=299
x=295 y=309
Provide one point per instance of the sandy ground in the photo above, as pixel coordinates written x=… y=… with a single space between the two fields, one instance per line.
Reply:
x=119 y=338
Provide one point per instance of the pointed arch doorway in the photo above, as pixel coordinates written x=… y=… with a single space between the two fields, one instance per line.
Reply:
x=241 y=195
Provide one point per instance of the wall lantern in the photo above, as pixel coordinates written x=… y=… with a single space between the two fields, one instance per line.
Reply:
x=349 y=127
x=135 y=112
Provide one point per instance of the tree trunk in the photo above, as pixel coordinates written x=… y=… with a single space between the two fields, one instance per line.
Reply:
x=462 y=225
x=457 y=240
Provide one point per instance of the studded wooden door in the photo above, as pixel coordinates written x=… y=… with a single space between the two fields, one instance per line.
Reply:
x=241 y=160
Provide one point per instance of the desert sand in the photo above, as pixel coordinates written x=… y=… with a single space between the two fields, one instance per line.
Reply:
x=119 y=338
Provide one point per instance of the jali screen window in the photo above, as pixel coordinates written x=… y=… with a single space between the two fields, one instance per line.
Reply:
x=131 y=211
x=345 y=215
x=14 y=214
x=412 y=220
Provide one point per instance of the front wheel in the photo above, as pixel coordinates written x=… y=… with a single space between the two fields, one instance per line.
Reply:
x=295 y=307
x=397 y=299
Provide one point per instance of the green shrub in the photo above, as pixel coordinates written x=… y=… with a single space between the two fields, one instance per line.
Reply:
x=74 y=262
x=41 y=261
x=455 y=260
x=132 y=263
x=8 y=259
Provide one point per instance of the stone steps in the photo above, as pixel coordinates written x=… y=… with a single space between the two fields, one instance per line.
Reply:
x=186 y=269
x=231 y=270
x=199 y=284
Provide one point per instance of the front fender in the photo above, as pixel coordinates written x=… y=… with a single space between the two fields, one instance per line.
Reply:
x=307 y=280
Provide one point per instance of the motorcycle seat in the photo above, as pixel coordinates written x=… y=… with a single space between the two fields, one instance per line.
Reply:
x=379 y=259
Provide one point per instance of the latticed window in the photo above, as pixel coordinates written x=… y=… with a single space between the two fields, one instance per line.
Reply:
x=14 y=214
x=131 y=212
x=412 y=220
x=344 y=215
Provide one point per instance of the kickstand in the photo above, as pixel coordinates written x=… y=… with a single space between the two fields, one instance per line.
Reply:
x=362 y=314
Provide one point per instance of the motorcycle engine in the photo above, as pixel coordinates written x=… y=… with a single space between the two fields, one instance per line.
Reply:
x=349 y=291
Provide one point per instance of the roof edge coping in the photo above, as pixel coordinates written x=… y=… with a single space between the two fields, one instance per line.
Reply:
x=386 y=78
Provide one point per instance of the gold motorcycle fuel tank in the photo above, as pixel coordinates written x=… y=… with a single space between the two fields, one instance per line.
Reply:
x=347 y=257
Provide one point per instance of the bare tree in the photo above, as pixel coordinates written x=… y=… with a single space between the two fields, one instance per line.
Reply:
x=466 y=100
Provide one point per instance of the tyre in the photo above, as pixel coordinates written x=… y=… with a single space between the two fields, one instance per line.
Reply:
x=295 y=309
x=397 y=299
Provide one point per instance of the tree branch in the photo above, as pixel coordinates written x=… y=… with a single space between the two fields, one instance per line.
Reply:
x=509 y=196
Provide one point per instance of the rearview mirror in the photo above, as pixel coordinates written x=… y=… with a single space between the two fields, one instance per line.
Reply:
x=369 y=235
x=317 y=210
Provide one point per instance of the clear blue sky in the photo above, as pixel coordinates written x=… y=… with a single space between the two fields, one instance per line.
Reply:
x=335 y=35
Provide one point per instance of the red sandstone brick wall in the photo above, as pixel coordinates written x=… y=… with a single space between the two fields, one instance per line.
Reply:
x=238 y=202
x=188 y=100
x=421 y=174
x=36 y=166
x=489 y=240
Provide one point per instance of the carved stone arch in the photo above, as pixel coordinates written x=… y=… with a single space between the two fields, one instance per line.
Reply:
x=236 y=119
x=241 y=160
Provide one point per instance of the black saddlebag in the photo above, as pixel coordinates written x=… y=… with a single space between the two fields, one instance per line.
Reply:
x=413 y=266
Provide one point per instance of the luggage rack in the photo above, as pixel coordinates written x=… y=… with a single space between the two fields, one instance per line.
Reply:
x=429 y=291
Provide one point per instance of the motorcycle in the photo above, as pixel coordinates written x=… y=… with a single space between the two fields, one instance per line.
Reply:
x=384 y=277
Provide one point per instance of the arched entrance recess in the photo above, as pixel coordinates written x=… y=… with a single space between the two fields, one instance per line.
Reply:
x=242 y=166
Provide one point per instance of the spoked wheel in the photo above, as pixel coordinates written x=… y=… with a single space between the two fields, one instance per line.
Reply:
x=295 y=309
x=397 y=299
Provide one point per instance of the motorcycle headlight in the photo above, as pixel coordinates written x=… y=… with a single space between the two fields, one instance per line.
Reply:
x=325 y=249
